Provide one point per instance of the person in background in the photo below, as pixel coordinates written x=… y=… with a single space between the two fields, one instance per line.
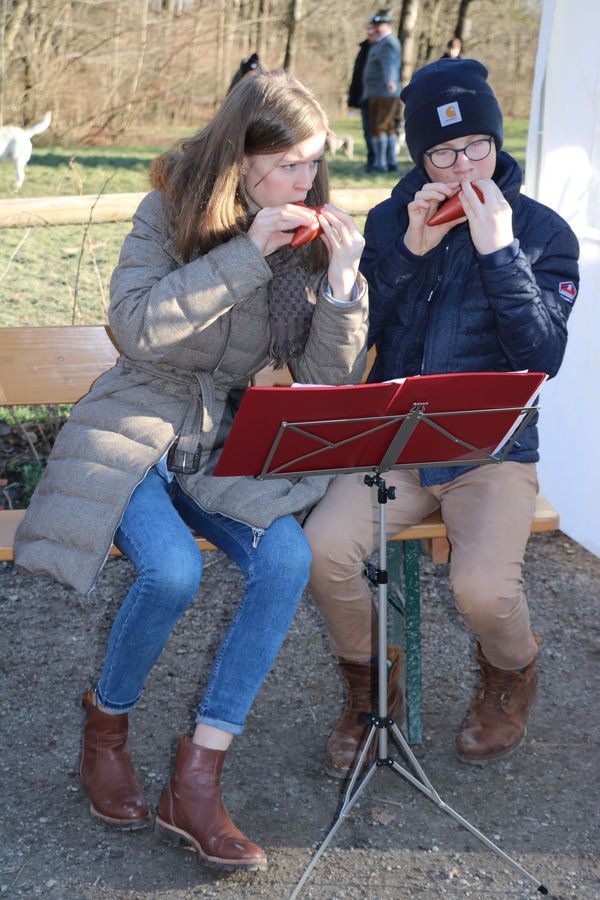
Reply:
x=381 y=90
x=453 y=48
x=207 y=292
x=250 y=66
x=490 y=291
x=355 y=93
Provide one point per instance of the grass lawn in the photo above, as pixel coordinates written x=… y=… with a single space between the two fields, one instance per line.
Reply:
x=43 y=268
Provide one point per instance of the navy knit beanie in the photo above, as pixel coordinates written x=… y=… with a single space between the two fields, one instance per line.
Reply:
x=448 y=99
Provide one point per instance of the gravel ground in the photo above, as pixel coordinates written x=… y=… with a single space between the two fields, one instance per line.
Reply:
x=540 y=806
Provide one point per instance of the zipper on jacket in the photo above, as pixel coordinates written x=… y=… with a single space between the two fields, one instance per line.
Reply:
x=432 y=293
x=257 y=533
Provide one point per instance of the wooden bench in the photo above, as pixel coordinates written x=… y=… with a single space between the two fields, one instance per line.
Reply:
x=53 y=365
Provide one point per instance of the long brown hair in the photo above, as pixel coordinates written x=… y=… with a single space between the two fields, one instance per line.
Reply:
x=203 y=195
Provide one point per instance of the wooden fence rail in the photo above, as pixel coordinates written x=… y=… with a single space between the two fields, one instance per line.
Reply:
x=23 y=212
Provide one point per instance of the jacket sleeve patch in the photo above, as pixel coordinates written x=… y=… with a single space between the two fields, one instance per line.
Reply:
x=567 y=290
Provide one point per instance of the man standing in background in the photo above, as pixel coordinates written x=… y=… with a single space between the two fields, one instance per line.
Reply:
x=355 y=92
x=381 y=91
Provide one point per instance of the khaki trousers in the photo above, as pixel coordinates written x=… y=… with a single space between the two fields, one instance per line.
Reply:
x=488 y=513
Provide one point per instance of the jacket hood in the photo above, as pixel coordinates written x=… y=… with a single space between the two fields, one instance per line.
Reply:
x=507 y=175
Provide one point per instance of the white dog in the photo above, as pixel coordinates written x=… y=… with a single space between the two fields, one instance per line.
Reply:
x=15 y=144
x=341 y=142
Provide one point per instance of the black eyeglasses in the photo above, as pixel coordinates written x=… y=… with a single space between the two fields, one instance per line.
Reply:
x=445 y=157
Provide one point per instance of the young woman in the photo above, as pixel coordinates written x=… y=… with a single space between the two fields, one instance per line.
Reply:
x=207 y=292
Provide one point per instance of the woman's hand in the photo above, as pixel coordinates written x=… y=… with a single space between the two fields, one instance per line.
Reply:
x=273 y=226
x=490 y=221
x=344 y=244
x=420 y=238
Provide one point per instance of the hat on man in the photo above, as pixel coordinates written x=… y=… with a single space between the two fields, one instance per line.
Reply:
x=447 y=99
x=247 y=65
x=381 y=17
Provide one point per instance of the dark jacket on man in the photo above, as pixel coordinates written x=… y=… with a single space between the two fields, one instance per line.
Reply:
x=355 y=90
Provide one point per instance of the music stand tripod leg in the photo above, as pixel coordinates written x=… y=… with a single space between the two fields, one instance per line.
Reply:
x=424 y=785
x=348 y=802
x=383 y=724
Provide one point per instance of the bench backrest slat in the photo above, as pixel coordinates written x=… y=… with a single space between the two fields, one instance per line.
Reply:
x=52 y=365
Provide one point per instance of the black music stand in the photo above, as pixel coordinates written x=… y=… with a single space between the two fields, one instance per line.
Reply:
x=282 y=461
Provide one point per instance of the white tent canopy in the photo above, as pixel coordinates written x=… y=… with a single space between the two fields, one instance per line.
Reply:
x=563 y=171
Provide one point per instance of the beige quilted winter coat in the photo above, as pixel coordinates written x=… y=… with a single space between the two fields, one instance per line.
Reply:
x=191 y=337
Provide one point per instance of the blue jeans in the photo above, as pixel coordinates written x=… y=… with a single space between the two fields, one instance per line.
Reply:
x=155 y=535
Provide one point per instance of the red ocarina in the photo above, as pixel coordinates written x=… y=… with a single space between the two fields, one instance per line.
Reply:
x=306 y=233
x=451 y=208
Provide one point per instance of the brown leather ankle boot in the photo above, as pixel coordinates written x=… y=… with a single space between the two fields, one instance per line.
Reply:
x=348 y=738
x=191 y=812
x=106 y=770
x=496 y=723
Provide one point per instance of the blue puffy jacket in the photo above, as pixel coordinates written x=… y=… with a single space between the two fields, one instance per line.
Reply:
x=454 y=310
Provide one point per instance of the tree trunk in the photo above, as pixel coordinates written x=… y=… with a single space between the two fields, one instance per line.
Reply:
x=9 y=28
x=263 y=29
x=221 y=83
x=143 y=39
x=434 y=34
x=116 y=55
x=293 y=31
x=407 y=35
x=463 y=22
x=230 y=64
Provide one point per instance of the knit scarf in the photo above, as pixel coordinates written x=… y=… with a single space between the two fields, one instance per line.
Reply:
x=291 y=302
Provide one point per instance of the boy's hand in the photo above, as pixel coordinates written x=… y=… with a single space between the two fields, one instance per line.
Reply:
x=490 y=222
x=419 y=237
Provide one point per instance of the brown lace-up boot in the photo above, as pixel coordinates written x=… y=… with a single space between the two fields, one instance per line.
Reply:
x=496 y=723
x=349 y=736
x=106 y=770
x=191 y=812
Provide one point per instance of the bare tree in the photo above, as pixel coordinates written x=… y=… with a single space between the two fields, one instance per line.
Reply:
x=407 y=35
x=293 y=22
x=264 y=11
x=13 y=12
x=143 y=39
x=464 y=21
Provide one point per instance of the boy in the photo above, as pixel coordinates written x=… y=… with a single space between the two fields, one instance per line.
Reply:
x=490 y=291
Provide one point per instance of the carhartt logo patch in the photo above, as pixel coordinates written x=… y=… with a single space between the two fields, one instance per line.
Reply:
x=449 y=114
x=567 y=290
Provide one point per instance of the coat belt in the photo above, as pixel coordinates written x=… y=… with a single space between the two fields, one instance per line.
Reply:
x=199 y=414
